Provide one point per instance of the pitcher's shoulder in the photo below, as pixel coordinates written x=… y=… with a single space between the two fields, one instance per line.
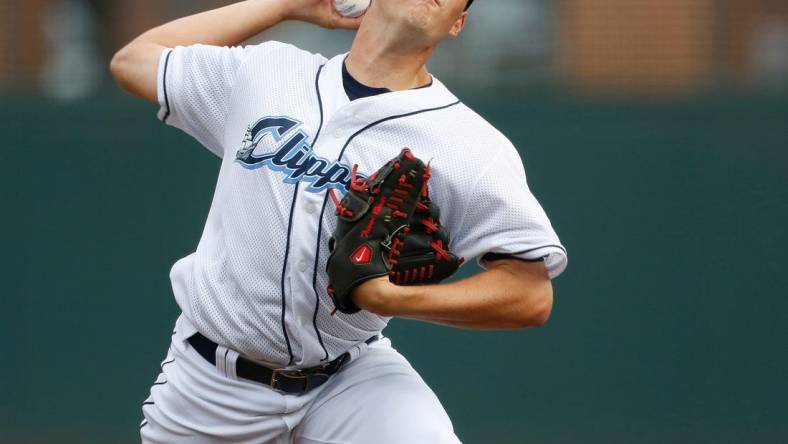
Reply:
x=276 y=49
x=471 y=130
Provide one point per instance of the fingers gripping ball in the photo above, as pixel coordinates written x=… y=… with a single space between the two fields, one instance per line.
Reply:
x=372 y=225
x=351 y=8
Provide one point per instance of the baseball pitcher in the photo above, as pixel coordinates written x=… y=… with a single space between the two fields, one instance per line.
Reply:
x=349 y=188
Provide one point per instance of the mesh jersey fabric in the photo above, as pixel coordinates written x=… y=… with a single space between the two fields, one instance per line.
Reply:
x=286 y=131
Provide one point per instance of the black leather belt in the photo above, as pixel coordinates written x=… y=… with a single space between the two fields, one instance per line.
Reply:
x=288 y=381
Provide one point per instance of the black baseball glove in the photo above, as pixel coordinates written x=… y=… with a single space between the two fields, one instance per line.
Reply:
x=425 y=257
x=387 y=225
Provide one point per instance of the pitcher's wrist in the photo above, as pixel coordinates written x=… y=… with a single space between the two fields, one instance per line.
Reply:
x=291 y=10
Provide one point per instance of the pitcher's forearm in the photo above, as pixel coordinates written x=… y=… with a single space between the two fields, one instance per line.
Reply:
x=135 y=66
x=494 y=299
x=510 y=294
x=226 y=26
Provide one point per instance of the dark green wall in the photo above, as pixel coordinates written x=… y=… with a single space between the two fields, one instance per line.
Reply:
x=669 y=325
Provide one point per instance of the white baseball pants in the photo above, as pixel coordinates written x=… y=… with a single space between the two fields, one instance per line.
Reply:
x=377 y=398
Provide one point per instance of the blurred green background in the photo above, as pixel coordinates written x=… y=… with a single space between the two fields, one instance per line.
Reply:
x=654 y=133
x=669 y=325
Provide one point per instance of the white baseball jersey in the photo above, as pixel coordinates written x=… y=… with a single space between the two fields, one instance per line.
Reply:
x=286 y=131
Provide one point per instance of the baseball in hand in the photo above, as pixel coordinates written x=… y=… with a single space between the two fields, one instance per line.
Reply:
x=351 y=8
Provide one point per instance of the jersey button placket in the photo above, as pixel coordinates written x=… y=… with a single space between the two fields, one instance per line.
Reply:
x=301 y=302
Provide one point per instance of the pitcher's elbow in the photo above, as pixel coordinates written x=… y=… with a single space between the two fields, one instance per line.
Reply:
x=540 y=306
x=543 y=310
x=117 y=66
x=124 y=65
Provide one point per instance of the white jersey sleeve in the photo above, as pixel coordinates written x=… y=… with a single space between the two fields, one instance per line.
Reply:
x=194 y=88
x=503 y=217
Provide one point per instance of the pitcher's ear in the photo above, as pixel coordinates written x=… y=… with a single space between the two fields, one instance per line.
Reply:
x=458 y=25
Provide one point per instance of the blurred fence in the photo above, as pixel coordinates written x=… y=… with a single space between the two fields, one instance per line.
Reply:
x=62 y=47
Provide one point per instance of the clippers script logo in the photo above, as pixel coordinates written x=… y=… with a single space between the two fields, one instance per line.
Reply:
x=277 y=144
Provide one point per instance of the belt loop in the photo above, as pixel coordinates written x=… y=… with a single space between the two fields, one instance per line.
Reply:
x=360 y=348
x=226 y=361
x=221 y=359
x=231 y=359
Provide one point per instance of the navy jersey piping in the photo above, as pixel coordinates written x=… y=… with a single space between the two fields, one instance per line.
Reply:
x=164 y=88
x=289 y=234
x=539 y=248
x=342 y=153
x=314 y=273
x=167 y=362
